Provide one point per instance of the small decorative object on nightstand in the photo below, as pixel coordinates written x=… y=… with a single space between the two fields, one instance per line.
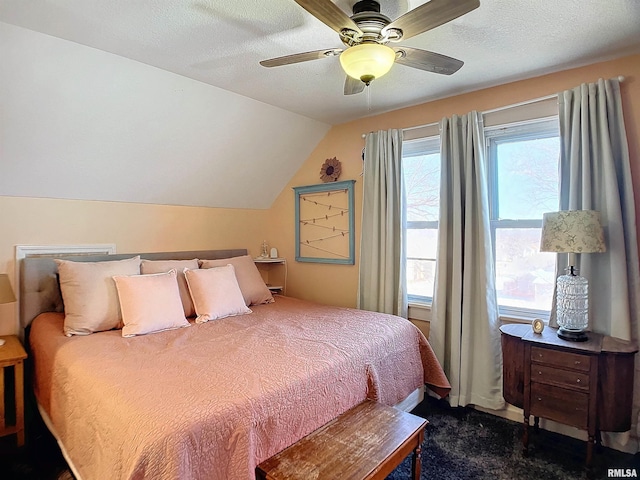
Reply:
x=12 y=355
x=265 y=247
x=537 y=325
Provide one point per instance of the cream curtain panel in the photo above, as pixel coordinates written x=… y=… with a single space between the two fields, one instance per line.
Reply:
x=464 y=327
x=595 y=174
x=382 y=283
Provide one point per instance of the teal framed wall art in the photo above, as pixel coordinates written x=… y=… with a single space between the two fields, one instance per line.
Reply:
x=325 y=223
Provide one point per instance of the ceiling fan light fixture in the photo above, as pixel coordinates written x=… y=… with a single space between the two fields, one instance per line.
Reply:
x=367 y=61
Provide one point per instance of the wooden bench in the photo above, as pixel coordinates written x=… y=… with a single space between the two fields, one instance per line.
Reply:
x=367 y=442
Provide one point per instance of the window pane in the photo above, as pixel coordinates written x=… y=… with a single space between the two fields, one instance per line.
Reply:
x=421 y=171
x=524 y=276
x=421 y=261
x=422 y=184
x=528 y=178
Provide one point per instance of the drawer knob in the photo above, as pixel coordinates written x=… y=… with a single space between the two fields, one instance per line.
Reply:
x=539 y=372
x=539 y=399
x=578 y=380
x=578 y=362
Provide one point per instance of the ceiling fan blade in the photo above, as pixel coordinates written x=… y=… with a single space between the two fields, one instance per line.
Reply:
x=301 y=57
x=430 y=15
x=353 y=86
x=429 y=61
x=330 y=14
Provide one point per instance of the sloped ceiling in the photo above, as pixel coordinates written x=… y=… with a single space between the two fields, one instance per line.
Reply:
x=164 y=101
x=81 y=123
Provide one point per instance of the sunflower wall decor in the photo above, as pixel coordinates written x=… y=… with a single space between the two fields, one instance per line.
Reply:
x=331 y=170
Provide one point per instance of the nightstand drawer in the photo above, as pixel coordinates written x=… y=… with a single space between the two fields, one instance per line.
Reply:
x=561 y=359
x=559 y=378
x=564 y=406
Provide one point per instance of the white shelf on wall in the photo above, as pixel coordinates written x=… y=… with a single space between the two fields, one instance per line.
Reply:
x=275 y=278
x=269 y=260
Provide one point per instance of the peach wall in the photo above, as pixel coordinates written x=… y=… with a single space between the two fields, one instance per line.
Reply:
x=133 y=227
x=338 y=283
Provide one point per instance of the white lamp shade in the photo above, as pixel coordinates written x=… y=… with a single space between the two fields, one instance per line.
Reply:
x=572 y=231
x=367 y=61
x=6 y=292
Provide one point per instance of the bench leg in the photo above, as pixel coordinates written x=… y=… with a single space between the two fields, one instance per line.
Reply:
x=416 y=464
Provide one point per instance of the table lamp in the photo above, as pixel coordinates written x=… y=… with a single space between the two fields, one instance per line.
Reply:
x=572 y=231
x=6 y=292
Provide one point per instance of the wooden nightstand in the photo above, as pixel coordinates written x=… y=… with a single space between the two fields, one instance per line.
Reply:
x=588 y=385
x=12 y=354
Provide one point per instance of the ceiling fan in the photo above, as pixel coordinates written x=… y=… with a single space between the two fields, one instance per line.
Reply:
x=366 y=35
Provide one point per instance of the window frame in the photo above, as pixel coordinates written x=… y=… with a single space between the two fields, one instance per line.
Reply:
x=546 y=127
x=413 y=148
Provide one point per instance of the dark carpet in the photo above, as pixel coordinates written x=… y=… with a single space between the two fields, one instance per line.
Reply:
x=465 y=444
x=460 y=444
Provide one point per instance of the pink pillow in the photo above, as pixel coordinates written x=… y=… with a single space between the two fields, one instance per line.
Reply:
x=150 y=303
x=215 y=293
x=90 y=296
x=163 y=266
x=254 y=290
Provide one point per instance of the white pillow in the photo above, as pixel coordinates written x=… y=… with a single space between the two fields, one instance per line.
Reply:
x=254 y=290
x=163 y=266
x=89 y=294
x=215 y=293
x=150 y=303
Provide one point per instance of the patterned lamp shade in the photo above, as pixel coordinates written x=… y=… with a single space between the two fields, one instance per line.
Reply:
x=6 y=292
x=572 y=231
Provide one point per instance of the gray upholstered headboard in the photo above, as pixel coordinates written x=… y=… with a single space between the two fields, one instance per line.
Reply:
x=39 y=290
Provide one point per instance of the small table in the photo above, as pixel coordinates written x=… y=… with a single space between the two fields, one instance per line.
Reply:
x=12 y=354
x=367 y=442
x=587 y=385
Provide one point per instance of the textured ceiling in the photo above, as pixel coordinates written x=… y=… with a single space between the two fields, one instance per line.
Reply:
x=220 y=42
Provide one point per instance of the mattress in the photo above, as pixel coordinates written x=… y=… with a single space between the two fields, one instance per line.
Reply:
x=213 y=400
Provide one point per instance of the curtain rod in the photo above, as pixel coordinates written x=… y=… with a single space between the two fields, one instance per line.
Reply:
x=493 y=110
x=535 y=100
x=413 y=128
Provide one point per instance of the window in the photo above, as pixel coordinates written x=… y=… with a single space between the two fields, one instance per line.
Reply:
x=421 y=170
x=522 y=165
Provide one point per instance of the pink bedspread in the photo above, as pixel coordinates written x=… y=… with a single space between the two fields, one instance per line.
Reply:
x=213 y=400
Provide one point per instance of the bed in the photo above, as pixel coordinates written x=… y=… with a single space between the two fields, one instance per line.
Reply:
x=213 y=400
